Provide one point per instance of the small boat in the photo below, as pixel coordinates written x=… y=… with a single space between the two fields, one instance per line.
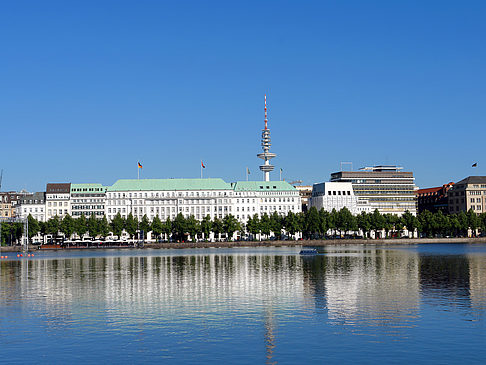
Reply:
x=308 y=251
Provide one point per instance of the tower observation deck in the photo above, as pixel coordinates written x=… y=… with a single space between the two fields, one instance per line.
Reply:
x=266 y=155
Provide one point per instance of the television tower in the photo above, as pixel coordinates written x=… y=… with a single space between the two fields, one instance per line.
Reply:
x=266 y=155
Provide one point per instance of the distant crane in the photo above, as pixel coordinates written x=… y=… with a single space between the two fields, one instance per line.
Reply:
x=299 y=182
x=1 y=176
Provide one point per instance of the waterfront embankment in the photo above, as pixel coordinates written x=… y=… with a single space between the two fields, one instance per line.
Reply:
x=394 y=241
x=286 y=243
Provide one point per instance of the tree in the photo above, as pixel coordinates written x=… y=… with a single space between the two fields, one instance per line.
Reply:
x=377 y=221
x=93 y=226
x=230 y=225
x=472 y=221
x=103 y=227
x=410 y=222
x=131 y=225
x=34 y=226
x=53 y=225
x=363 y=222
x=253 y=225
x=193 y=227
x=157 y=227
x=265 y=224
x=312 y=224
x=179 y=227
x=217 y=227
x=5 y=228
x=389 y=223
x=117 y=225
x=323 y=222
x=67 y=226
x=332 y=221
x=144 y=227
x=206 y=226
x=167 y=227
x=291 y=223
x=276 y=225
x=81 y=226
x=346 y=221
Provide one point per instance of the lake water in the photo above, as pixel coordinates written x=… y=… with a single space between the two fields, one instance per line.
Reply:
x=349 y=304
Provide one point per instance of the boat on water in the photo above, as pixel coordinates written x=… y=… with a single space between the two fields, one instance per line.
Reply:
x=308 y=251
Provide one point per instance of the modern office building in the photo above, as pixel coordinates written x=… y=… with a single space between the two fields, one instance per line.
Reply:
x=469 y=193
x=88 y=199
x=57 y=200
x=434 y=199
x=33 y=204
x=166 y=198
x=387 y=188
x=337 y=195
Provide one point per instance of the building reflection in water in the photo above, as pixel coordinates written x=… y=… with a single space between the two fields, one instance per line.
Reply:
x=372 y=287
x=477 y=284
x=354 y=287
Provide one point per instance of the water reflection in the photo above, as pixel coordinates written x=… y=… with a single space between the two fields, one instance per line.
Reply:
x=364 y=290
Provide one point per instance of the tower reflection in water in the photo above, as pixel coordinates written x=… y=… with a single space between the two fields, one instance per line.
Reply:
x=352 y=287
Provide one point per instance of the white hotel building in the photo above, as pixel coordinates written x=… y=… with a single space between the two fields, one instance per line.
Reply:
x=166 y=198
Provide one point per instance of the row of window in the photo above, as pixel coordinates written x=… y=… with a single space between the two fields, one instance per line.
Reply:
x=54 y=204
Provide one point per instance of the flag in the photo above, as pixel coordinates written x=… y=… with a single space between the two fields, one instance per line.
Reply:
x=139 y=165
x=202 y=165
x=475 y=164
x=248 y=171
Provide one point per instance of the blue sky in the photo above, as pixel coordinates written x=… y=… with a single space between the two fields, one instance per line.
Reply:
x=88 y=88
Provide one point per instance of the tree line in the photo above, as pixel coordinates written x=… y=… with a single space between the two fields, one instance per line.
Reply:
x=312 y=224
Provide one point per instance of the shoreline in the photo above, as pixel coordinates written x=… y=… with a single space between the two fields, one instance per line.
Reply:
x=235 y=244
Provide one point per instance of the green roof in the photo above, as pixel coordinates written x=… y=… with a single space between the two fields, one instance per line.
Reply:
x=80 y=188
x=263 y=186
x=169 y=184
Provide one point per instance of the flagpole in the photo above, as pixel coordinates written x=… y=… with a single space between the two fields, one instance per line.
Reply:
x=280 y=174
x=201 y=169
x=138 y=172
x=247 y=174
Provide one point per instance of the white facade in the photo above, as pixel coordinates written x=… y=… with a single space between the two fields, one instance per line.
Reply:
x=337 y=195
x=57 y=200
x=87 y=200
x=33 y=204
x=199 y=198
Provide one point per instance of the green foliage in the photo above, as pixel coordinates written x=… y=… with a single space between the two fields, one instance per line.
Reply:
x=230 y=225
x=131 y=225
x=312 y=223
x=144 y=226
x=179 y=227
x=103 y=227
x=81 y=226
x=34 y=226
x=265 y=224
x=117 y=225
x=157 y=226
x=363 y=222
x=291 y=223
x=193 y=227
x=67 y=226
x=206 y=226
x=53 y=225
x=253 y=225
x=93 y=228
x=276 y=224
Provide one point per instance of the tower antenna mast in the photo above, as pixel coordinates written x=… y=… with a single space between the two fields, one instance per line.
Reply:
x=266 y=155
